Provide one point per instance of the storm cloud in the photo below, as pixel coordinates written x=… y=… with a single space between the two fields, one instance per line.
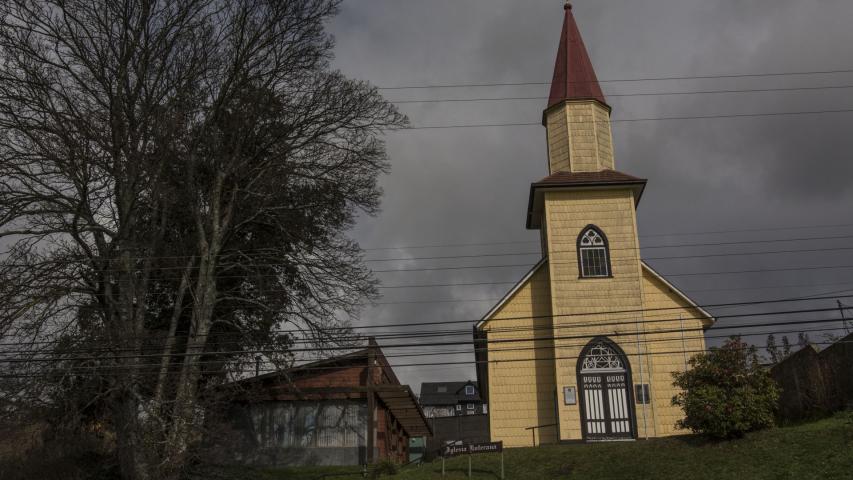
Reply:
x=470 y=185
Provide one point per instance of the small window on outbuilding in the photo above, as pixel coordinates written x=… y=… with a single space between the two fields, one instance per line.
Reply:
x=469 y=389
x=593 y=253
x=442 y=389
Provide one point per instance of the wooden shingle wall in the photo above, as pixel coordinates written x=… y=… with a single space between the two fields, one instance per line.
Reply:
x=521 y=374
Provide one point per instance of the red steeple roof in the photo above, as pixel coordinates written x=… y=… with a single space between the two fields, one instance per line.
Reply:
x=574 y=77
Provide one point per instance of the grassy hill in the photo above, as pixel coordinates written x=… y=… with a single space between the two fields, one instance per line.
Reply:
x=819 y=450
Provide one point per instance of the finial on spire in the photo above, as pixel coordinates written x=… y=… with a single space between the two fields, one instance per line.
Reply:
x=574 y=77
x=568 y=5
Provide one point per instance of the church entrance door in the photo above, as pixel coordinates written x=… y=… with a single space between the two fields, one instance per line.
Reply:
x=604 y=380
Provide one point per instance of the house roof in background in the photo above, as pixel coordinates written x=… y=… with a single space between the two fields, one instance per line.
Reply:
x=448 y=393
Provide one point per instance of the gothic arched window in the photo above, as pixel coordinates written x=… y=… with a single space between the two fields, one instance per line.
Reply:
x=593 y=254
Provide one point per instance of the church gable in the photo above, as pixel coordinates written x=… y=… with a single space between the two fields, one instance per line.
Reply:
x=662 y=299
x=530 y=297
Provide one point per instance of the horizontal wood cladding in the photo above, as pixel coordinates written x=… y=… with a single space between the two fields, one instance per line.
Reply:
x=579 y=137
x=678 y=315
x=575 y=300
x=521 y=374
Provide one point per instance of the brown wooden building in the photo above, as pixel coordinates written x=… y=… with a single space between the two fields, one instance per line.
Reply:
x=346 y=410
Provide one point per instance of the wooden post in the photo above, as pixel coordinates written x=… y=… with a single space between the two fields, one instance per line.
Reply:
x=442 y=466
x=371 y=402
x=502 y=464
x=469 y=466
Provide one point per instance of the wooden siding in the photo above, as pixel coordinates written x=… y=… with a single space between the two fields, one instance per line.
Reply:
x=678 y=315
x=521 y=374
x=576 y=301
x=579 y=137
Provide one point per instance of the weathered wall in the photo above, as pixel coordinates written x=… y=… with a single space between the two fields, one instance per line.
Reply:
x=837 y=364
x=391 y=440
x=579 y=137
x=299 y=433
x=521 y=374
x=813 y=383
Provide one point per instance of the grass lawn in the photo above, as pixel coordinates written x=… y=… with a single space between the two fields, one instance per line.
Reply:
x=818 y=450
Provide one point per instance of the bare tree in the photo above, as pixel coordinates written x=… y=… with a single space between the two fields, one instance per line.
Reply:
x=177 y=178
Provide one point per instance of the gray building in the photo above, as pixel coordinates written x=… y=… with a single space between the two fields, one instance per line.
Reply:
x=452 y=399
x=456 y=412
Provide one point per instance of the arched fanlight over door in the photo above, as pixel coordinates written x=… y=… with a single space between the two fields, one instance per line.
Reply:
x=602 y=357
x=593 y=253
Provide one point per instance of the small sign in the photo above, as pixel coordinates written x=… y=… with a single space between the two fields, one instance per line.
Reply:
x=642 y=393
x=472 y=448
x=570 y=395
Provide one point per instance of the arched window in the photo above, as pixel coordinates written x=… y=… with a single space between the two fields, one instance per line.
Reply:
x=593 y=254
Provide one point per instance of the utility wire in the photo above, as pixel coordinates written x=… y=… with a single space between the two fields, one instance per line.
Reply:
x=575 y=314
x=701 y=290
x=513 y=254
x=597 y=324
x=82 y=369
x=640 y=94
x=512 y=282
x=451 y=245
x=67 y=355
x=628 y=120
x=615 y=80
x=627 y=333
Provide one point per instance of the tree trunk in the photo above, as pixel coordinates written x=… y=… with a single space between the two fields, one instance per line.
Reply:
x=130 y=446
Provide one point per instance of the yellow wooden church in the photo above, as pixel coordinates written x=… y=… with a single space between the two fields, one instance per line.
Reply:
x=583 y=347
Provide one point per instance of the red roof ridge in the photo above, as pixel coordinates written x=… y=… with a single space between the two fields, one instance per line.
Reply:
x=574 y=77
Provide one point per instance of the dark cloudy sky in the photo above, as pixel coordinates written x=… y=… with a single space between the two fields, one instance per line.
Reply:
x=470 y=185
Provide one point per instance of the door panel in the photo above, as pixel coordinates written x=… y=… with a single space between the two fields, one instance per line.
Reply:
x=606 y=412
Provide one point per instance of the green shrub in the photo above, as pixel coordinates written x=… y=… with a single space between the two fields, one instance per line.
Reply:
x=384 y=467
x=726 y=392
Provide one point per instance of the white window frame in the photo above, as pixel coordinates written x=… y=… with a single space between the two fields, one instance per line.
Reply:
x=593 y=246
x=469 y=389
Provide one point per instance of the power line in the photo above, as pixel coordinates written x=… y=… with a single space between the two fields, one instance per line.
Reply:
x=640 y=94
x=630 y=322
x=247 y=251
x=701 y=290
x=628 y=333
x=103 y=368
x=615 y=80
x=628 y=120
x=492 y=283
x=511 y=254
x=139 y=353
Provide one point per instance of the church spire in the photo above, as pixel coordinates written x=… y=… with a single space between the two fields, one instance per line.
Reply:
x=574 y=77
x=577 y=119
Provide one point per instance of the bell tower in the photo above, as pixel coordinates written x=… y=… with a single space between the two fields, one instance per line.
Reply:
x=577 y=119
